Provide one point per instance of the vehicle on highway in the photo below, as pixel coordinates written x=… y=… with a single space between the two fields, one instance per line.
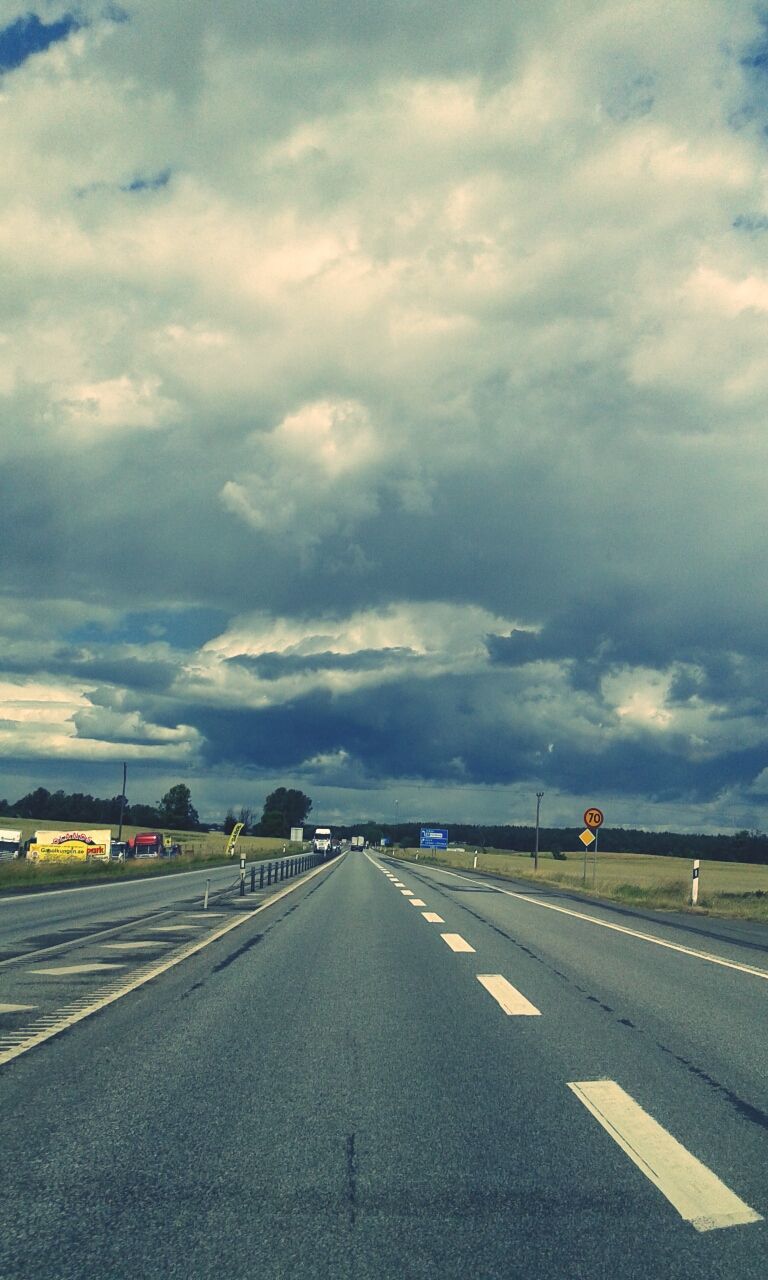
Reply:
x=321 y=842
x=118 y=851
x=148 y=844
x=10 y=843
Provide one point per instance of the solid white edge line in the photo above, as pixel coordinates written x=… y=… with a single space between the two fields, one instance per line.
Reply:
x=617 y=928
x=146 y=976
x=512 y=1001
x=691 y=1188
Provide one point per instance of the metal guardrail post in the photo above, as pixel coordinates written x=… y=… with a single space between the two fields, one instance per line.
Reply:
x=261 y=876
x=253 y=879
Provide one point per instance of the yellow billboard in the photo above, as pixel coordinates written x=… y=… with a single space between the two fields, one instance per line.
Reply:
x=70 y=846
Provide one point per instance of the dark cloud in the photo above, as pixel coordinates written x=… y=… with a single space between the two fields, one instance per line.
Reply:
x=276 y=666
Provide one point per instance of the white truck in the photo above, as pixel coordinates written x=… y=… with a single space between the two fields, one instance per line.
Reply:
x=321 y=842
x=357 y=842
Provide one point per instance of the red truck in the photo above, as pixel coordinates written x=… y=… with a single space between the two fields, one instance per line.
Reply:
x=147 y=844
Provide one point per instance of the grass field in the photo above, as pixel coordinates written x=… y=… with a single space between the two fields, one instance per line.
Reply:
x=737 y=889
x=199 y=849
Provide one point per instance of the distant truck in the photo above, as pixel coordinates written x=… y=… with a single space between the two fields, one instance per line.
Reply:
x=321 y=842
x=148 y=844
x=358 y=842
x=10 y=843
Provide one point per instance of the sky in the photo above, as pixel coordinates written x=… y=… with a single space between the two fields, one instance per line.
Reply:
x=383 y=406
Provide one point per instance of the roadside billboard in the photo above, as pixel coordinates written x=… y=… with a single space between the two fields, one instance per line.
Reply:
x=70 y=846
x=297 y=835
x=433 y=838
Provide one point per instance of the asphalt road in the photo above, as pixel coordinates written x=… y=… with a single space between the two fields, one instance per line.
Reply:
x=330 y=1091
x=45 y=917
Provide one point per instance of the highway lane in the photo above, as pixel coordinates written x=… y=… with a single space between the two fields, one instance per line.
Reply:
x=333 y=1093
x=709 y=1016
x=47 y=917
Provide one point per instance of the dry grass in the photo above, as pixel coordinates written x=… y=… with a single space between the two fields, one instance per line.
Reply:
x=737 y=889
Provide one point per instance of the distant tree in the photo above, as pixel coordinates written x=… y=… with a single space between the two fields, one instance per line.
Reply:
x=34 y=805
x=246 y=817
x=176 y=809
x=142 y=815
x=229 y=822
x=283 y=809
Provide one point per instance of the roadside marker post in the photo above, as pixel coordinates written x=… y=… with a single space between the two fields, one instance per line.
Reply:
x=205 y=900
x=695 y=883
x=242 y=875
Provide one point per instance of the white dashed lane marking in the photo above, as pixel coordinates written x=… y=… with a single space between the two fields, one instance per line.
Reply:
x=432 y=917
x=172 y=928
x=693 y=1189
x=511 y=1000
x=16 y=1008
x=407 y=893
x=456 y=942
x=136 y=946
x=64 y=970
x=418 y=902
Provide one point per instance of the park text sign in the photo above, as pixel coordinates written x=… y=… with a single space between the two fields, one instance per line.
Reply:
x=70 y=846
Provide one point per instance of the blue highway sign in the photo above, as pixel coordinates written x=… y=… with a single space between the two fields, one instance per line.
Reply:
x=433 y=838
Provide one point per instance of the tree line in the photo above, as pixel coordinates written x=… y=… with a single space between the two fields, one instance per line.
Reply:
x=743 y=846
x=287 y=807
x=175 y=810
x=284 y=808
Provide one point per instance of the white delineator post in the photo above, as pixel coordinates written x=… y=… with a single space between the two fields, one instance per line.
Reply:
x=695 y=883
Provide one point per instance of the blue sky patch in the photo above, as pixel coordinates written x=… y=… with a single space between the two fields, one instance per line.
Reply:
x=152 y=183
x=180 y=628
x=28 y=35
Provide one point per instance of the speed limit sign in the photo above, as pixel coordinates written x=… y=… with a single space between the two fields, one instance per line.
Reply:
x=593 y=818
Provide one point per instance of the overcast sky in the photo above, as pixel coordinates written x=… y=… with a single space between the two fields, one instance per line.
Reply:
x=383 y=392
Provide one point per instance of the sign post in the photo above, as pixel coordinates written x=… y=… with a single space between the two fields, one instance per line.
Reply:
x=593 y=819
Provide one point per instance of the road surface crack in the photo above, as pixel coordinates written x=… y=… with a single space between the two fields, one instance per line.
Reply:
x=351 y=1196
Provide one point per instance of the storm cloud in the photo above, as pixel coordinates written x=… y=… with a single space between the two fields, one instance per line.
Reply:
x=382 y=405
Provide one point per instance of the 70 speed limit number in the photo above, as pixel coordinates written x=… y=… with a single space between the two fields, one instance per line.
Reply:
x=593 y=818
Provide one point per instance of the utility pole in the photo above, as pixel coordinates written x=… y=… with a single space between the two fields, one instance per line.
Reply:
x=122 y=803
x=539 y=795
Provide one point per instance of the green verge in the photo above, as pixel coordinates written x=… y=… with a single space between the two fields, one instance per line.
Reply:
x=200 y=851
x=735 y=890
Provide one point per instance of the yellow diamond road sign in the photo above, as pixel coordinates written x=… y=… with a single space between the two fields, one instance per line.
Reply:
x=587 y=838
